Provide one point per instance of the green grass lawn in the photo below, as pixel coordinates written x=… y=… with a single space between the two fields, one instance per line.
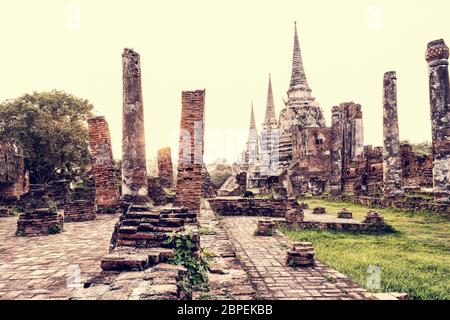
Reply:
x=414 y=259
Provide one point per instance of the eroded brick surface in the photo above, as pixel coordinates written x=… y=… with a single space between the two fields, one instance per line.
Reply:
x=38 y=267
x=106 y=187
x=190 y=159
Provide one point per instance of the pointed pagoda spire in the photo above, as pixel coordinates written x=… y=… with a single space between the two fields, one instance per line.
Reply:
x=298 y=77
x=252 y=119
x=270 y=106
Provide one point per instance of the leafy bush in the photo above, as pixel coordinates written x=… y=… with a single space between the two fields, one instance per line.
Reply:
x=196 y=262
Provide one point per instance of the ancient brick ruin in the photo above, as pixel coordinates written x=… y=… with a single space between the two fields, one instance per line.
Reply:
x=13 y=177
x=134 y=164
x=39 y=222
x=392 y=162
x=334 y=161
x=190 y=158
x=437 y=55
x=103 y=169
x=301 y=255
x=229 y=206
x=79 y=211
x=165 y=167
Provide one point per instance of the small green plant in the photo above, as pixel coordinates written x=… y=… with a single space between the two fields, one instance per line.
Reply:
x=267 y=233
x=207 y=231
x=54 y=229
x=52 y=206
x=207 y=296
x=16 y=211
x=20 y=233
x=329 y=278
x=195 y=261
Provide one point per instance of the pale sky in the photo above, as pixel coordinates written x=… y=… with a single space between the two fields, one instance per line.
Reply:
x=228 y=48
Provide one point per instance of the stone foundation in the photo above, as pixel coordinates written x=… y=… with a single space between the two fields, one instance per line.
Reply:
x=253 y=206
x=301 y=255
x=266 y=228
x=374 y=219
x=319 y=210
x=38 y=222
x=79 y=210
x=345 y=214
x=412 y=204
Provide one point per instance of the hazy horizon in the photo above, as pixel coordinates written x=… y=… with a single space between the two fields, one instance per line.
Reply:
x=227 y=48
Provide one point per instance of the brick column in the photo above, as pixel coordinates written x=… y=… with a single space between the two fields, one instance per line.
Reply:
x=437 y=56
x=134 y=170
x=165 y=168
x=106 y=188
x=392 y=162
x=336 y=152
x=190 y=160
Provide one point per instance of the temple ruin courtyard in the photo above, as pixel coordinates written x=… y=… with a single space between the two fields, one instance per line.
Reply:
x=307 y=211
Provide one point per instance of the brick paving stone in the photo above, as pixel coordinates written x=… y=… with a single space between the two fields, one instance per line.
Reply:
x=37 y=268
x=263 y=258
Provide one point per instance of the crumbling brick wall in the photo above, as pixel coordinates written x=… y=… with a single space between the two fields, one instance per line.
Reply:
x=14 y=181
x=417 y=169
x=190 y=159
x=103 y=169
x=311 y=153
x=165 y=168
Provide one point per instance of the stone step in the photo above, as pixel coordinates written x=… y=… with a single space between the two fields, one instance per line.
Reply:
x=127 y=229
x=141 y=215
x=144 y=236
x=139 y=208
x=172 y=222
x=307 y=254
x=124 y=262
x=148 y=227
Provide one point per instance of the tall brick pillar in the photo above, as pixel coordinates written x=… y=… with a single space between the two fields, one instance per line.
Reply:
x=437 y=56
x=165 y=168
x=336 y=186
x=134 y=171
x=190 y=159
x=106 y=188
x=392 y=161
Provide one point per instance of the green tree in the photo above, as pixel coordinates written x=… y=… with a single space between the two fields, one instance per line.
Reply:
x=219 y=173
x=51 y=128
x=421 y=149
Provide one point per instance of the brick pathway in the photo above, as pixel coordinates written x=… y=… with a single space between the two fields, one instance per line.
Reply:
x=38 y=267
x=263 y=259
